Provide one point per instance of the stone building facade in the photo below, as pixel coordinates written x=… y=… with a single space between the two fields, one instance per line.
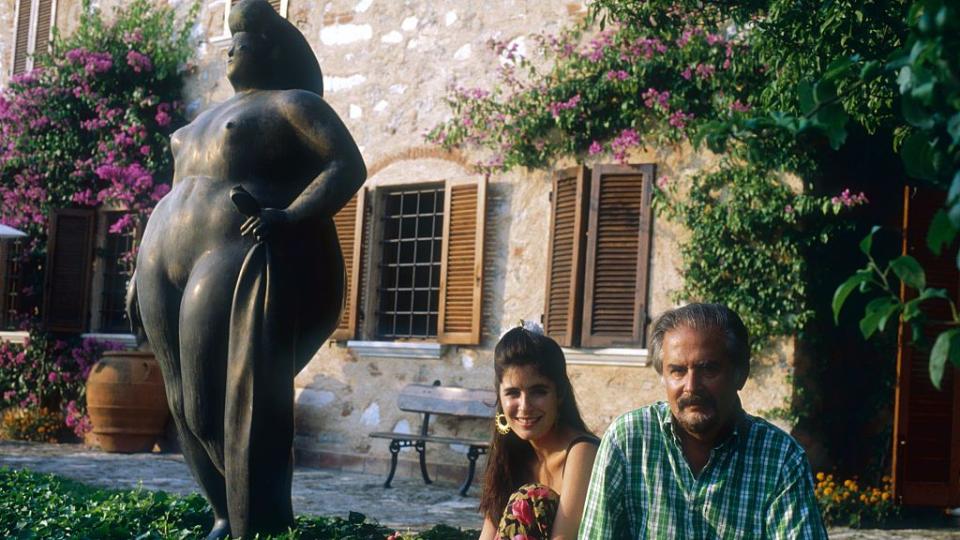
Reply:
x=388 y=66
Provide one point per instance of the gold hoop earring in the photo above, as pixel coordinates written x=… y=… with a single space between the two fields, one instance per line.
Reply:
x=503 y=427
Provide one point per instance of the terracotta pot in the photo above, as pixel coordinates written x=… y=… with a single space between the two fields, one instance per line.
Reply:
x=126 y=401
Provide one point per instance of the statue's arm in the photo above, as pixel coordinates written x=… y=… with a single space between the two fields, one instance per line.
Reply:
x=343 y=172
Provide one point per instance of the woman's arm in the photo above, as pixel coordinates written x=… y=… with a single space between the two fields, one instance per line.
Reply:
x=489 y=530
x=573 y=491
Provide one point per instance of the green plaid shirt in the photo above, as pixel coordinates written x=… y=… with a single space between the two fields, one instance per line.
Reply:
x=756 y=484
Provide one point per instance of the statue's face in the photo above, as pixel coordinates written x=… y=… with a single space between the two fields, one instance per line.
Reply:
x=247 y=64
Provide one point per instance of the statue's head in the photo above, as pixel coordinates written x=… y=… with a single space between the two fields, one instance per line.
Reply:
x=268 y=52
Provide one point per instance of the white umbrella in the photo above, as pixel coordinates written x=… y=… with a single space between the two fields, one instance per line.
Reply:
x=10 y=232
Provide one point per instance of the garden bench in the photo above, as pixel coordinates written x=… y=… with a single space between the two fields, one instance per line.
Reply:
x=439 y=400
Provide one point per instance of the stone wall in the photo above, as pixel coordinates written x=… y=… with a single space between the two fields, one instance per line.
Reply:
x=388 y=66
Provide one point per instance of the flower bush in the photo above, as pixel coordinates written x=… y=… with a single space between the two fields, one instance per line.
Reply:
x=48 y=374
x=673 y=74
x=89 y=125
x=38 y=424
x=848 y=503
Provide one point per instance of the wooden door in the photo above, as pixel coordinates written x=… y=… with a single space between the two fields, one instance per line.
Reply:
x=926 y=454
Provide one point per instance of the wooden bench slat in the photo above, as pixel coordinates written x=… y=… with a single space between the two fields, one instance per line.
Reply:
x=463 y=402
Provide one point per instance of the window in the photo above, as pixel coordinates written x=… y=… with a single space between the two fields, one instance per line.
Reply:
x=409 y=292
x=86 y=272
x=422 y=279
x=599 y=255
x=32 y=29
x=11 y=282
x=112 y=271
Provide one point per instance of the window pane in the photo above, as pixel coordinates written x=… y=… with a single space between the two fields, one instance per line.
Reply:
x=421 y=301
x=410 y=264
x=406 y=251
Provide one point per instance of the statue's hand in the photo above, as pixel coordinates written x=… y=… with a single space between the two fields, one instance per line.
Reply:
x=269 y=223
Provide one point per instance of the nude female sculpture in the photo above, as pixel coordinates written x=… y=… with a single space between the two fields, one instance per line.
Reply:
x=235 y=305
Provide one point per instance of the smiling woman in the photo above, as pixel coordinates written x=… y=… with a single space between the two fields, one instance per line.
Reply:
x=538 y=470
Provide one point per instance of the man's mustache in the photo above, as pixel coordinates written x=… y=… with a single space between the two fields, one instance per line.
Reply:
x=696 y=400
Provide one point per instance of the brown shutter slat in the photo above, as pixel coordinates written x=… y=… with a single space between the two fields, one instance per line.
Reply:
x=69 y=263
x=565 y=260
x=349 y=222
x=44 y=21
x=22 y=41
x=617 y=258
x=461 y=270
x=926 y=452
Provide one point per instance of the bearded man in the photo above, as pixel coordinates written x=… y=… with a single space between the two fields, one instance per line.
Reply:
x=697 y=466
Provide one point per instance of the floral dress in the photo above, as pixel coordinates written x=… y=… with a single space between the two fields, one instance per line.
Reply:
x=529 y=514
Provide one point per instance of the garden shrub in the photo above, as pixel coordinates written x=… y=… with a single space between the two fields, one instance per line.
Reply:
x=47 y=373
x=848 y=503
x=38 y=424
x=89 y=126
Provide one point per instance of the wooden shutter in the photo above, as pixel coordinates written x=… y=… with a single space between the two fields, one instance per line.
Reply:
x=4 y=282
x=44 y=23
x=22 y=40
x=565 y=260
x=349 y=221
x=617 y=259
x=926 y=452
x=461 y=267
x=66 y=294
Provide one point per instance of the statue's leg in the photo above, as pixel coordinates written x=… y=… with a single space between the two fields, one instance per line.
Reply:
x=160 y=311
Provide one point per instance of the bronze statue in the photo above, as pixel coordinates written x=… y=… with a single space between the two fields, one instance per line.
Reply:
x=240 y=277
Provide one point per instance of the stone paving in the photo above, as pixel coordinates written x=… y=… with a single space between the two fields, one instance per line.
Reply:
x=408 y=505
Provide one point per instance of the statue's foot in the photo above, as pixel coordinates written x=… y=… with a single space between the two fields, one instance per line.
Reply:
x=220 y=530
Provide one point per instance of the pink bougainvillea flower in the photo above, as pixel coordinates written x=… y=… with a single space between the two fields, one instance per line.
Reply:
x=139 y=62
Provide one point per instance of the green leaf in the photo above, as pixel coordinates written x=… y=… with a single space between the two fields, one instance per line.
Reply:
x=909 y=271
x=867 y=243
x=953 y=128
x=911 y=310
x=877 y=312
x=844 y=290
x=870 y=70
x=914 y=113
x=917 y=156
x=824 y=91
x=946 y=346
x=832 y=116
x=838 y=68
x=941 y=232
x=805 y=93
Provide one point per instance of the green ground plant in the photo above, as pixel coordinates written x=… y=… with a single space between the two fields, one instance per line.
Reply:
x=46 y=506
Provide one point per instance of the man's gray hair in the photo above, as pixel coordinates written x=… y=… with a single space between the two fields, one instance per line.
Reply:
x=701 y=317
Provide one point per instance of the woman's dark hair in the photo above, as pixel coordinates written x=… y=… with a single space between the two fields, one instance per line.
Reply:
x=508 y=463
x=292 y=64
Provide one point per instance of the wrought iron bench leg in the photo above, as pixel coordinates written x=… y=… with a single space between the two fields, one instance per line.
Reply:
x=422 y=450
x=394 y=452
x=472 y=455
